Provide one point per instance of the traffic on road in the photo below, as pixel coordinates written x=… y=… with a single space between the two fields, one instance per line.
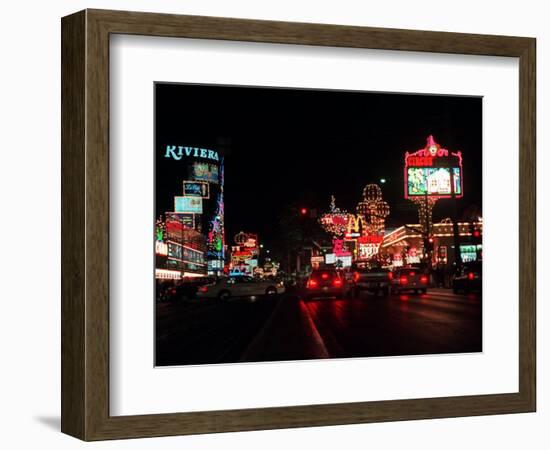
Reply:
x=306 y=323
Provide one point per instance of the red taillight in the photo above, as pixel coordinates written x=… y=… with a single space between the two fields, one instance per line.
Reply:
x=203 y=289
x=356 y=276
x=324 y=276
x=423 y=279
x=312 y=283
x=411 y=274
x=470 y=275
x=337 y=282
x=390 y=275
x=403 y=280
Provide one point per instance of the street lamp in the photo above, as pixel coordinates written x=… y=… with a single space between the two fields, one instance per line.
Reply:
x=382 y=180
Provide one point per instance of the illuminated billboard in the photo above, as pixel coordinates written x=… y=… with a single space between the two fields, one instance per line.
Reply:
x=470 y=252
x=196 y=189
x=433 y=172
x=185 y=254
x=204 y=172
x=433 y=181
x=188 y=205
x=369 y=246
x=186 y=220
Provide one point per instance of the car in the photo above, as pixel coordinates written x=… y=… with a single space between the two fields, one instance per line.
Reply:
x=374 y=279
x=165 y=290
x=326 y=282
x=187 y=288
x=409 y=279
x=241 y=286
x=176 y=290
x=468 y=278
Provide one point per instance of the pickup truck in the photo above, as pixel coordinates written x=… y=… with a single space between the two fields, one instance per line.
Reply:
x=376 y=280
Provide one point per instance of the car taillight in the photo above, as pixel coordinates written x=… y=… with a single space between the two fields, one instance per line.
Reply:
x=411 y=274
x=403 y=280
x=312 y=283
x=423 y=279
x=356 y=276
x=470 y=275
x=390 y=275
x=324 y=276
x=337 y=282
x=203 y=289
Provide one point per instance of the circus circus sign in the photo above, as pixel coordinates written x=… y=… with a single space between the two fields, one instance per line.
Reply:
x=433 y=172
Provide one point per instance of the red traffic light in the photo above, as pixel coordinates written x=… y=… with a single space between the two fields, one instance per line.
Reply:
x=476 y=233
x=303 y=211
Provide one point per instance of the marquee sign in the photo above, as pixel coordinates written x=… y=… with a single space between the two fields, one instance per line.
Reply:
x=433 y=172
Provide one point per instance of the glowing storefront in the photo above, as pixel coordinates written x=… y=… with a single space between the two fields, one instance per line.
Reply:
x=190 y=239
x=405 y=245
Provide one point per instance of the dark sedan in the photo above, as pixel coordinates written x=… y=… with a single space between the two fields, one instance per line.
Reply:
x=327 y=282
x=468 y=278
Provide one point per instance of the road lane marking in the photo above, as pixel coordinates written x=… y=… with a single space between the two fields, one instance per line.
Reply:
x=315 y=332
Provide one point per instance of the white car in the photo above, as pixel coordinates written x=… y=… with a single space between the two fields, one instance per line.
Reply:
x=242 y=286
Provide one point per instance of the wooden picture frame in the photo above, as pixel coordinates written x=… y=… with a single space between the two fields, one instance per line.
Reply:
x=85 y=224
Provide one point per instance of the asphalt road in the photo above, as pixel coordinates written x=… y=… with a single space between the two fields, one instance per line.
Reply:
x=289 y=328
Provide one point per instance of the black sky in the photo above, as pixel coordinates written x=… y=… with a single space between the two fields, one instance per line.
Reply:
x=290 y=146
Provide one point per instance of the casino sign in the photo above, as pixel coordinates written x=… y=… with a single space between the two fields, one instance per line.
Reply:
x=433 y=172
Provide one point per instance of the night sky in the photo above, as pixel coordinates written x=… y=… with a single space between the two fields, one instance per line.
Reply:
x=297 y=147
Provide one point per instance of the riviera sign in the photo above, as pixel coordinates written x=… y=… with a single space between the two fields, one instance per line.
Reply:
x=178 y=152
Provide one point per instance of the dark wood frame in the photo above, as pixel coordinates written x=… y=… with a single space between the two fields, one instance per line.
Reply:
x=85 y=224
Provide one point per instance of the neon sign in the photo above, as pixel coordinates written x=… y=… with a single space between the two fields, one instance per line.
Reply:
x=204 y=172
x=185 y=254
x=216 y=234
x=370 y=239
x=433 y=172
x=161 y=248
x=178 y=152
x=367 y=251
x=188 y=205
x=336 y=221
x=373 y=209
x=196 y=189
x=339 y=249
x=184 y=220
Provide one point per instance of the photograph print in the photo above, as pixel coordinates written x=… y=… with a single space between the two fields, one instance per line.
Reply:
x=303 y=224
